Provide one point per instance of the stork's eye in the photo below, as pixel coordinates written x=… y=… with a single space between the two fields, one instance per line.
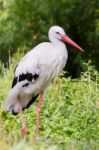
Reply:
x=57 y=32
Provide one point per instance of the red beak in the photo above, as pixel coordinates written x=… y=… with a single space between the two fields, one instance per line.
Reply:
x=65 y=38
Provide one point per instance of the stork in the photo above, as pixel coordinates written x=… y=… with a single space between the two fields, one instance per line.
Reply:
x=34 y=73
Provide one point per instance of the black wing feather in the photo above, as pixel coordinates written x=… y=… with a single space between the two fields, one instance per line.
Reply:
x=30 y=102
x=28 y=76
x=15 y=80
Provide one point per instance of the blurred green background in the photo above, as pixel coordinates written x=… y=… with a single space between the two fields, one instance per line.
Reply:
x=25 y=23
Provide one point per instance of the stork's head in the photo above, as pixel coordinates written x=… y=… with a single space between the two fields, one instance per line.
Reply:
x=57 y=33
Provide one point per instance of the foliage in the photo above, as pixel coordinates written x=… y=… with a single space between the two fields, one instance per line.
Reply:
x=26 y=23
x=69 y=116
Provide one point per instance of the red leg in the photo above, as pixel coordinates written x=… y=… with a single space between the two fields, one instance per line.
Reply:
x=23 y=128
x=38 y=113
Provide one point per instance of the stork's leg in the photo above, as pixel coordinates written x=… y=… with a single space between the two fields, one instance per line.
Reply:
x=23 y=128
x=38 y=113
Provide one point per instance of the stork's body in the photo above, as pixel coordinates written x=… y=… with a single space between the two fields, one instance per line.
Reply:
x=35 y=71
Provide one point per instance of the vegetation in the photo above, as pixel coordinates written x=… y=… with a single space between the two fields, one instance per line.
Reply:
x=69 y=116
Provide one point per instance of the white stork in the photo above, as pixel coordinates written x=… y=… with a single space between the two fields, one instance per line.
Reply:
x=35 y=72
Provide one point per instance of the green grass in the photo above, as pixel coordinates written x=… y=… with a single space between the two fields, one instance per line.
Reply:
x=69 y=116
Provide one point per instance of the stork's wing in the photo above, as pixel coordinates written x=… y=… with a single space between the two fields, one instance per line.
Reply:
x=27 y=69
x=26 y=72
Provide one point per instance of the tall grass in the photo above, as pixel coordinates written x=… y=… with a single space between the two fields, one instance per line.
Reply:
x=69 y=116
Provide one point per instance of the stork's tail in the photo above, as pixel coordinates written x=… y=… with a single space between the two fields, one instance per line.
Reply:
x=11 y=103
x=11 y=99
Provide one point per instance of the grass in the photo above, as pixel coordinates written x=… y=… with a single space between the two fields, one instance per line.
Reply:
x=69 y=116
